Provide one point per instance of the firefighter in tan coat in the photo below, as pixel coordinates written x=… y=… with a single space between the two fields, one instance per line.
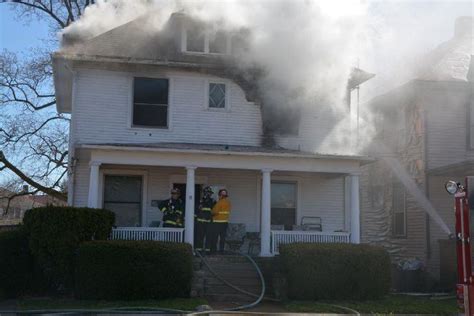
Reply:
x=220 y=220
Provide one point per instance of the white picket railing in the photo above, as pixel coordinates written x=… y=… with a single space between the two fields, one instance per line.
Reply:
x=288 y=237
x=148 y=233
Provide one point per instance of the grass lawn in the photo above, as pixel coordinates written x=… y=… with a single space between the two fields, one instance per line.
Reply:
x=188 y=304
x=392 y=304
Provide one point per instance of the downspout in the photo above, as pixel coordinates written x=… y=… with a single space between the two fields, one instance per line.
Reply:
x=71 y=148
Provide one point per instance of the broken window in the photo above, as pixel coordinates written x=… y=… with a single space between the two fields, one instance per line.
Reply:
x=150 y=102
x=218 y=43
x=398 y=210
x=217 y=95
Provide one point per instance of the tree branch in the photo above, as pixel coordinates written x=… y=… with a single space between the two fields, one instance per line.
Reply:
x=30 y=181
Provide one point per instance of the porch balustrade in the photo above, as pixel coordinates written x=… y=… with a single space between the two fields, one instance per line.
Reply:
x=287 y=237
x=148 y=233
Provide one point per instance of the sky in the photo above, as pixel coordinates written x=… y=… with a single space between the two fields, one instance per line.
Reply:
x=18 y=36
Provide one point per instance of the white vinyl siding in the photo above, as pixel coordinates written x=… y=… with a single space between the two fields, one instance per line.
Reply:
x=103 y=104
x=448 y=130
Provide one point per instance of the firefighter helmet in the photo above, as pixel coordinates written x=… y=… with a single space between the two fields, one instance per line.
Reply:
x=175 y=191
x=207 y=191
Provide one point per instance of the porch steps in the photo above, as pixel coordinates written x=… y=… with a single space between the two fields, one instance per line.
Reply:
x=236 y=270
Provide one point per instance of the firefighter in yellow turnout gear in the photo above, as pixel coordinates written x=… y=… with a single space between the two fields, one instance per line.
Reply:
x=220 y=220
x=202 y=221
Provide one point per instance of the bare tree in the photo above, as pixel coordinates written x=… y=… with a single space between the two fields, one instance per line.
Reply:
x=33 y=136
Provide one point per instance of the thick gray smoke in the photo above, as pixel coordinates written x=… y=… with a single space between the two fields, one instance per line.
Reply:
x=306 y=48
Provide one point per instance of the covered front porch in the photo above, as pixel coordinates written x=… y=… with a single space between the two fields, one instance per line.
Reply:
x=272 y=193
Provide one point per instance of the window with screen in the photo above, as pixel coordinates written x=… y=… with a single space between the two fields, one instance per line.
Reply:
x=398 y=210
x=283 y=203
x=123 y=196
x=150 y=102
x=217 y=95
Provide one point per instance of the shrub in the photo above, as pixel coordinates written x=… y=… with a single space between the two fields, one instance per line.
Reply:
x=15 y=264
x=54 y=234
x=128 y=270
x=335 y=271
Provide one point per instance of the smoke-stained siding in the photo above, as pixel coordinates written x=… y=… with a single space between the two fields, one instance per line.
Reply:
x=103 y=102
x=318 y=131
x=401 y=129
x=318 y=195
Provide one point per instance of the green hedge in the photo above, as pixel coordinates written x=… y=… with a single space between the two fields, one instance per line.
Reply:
x=128 y=270
x=16 y=270
x=55 y=233
x=335 y=271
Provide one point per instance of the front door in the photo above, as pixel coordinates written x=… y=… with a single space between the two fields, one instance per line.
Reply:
x=123 y=196
x=197 y=192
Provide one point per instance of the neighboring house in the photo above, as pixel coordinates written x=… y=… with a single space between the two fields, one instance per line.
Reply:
x=150 y=111
x=12 y=214
x=428 y=125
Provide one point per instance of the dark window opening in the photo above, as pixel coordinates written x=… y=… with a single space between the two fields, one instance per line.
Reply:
x=281 y=120
x=150 y=102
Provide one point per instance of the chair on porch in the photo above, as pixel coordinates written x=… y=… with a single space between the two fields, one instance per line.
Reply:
x=277 y=227
x=313 y=223
x=235 y=236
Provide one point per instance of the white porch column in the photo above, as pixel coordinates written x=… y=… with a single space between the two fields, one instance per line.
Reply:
x=93 y=199
x=355 y=209
x=265 y=220
x=189 y=215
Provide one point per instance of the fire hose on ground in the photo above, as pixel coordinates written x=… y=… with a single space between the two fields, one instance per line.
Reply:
x=259 y=297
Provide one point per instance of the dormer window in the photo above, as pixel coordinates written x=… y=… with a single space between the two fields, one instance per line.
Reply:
x=218 y=43
x=197 y=39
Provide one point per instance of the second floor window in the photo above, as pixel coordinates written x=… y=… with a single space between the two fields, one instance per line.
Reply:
x=150 y=102
x=217 y=96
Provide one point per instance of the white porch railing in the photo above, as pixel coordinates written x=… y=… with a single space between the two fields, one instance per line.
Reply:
x=287 y=237
x=148 y=233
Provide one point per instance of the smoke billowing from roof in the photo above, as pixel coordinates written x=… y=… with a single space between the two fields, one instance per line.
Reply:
x=306 y=48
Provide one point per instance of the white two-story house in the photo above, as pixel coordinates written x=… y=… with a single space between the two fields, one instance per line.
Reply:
x=156 y=110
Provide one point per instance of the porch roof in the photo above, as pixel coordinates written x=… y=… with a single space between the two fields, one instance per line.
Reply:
x=221 y=157
x=224 y=149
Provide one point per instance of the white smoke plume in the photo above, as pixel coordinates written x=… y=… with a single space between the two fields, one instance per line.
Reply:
x=307 y=49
